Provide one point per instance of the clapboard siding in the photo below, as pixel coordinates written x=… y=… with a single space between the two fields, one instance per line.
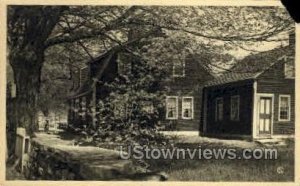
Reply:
x=189 y=85
x=274 y=82
x=185 y=124
x=243 y=89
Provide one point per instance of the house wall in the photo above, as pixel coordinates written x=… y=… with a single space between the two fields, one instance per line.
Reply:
x=273 y=81
x=77 y=110
x=189 y=85
x=227 y=127
x=74 y=118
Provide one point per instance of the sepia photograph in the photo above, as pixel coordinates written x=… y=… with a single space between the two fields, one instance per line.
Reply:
x=150 y=93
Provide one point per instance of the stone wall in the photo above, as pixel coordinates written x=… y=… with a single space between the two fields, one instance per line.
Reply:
x=52 y=158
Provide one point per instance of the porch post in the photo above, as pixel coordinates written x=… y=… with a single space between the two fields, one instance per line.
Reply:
x=254 y=111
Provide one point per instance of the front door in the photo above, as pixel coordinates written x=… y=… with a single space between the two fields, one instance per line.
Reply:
x=265 y=116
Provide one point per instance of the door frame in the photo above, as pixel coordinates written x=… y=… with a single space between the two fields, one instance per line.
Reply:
x=256 y=110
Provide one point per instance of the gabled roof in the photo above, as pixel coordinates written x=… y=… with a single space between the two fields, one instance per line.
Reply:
x=101 y=63
x=252 y=66
x=262 y=60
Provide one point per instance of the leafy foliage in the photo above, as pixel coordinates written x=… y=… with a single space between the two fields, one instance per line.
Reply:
x=132 y=110
x=42 y=38
x=83 y=32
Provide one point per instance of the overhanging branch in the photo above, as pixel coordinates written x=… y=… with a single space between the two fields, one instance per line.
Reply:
x=114 y=24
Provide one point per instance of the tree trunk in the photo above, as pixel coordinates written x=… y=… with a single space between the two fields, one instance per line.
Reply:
x=27 y=65
x=29 y=27
x=27 y=74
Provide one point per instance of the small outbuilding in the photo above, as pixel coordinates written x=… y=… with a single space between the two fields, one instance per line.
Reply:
x=255 y=100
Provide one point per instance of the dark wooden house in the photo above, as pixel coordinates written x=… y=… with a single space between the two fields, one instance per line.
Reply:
x=255 y=100
x=182 y=102
x=87 y=90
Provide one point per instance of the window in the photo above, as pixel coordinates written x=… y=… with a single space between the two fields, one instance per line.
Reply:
x=172 y=107
x=187 y=108
x=289 y=70
x=284 y=107
x=147 y=106
x=235 y=108
x=219 y=109
x=178 y=68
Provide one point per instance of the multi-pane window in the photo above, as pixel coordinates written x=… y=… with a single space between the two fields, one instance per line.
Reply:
x=187 y=108
x=178 y=68
x=289 y=70
x=284 y=108
x=219 y=109
x=235 y=108
x=172 y=107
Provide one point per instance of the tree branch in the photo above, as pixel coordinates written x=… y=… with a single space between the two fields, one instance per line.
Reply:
x=90 y=34
x=254 y=37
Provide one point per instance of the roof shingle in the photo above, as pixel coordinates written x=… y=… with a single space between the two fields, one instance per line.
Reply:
x=251 y=66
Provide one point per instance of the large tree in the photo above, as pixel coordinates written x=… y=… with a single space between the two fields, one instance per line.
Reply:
x=32 y=30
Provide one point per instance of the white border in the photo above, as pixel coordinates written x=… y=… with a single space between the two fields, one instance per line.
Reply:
x=258 y=3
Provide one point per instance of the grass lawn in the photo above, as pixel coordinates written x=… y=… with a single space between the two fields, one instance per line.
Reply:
x=281 y=169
